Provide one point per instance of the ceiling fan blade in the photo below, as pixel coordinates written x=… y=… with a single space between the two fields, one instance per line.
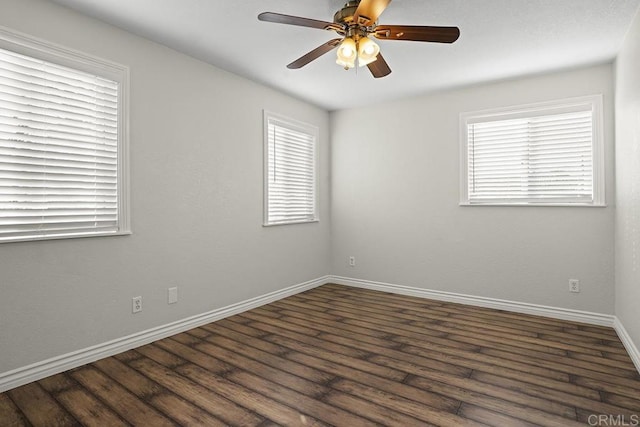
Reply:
x=417 y=33
x=379 y=67
x=279 y=18
x=314 y=54
x=368 y=11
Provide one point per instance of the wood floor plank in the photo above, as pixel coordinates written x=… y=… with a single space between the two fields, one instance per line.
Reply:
x=478 y=361
x=513 y=347
x=161 y=356
x=582 y=346
x=336 y=355
x=612 y=387
x=345 y=360
x=549 y=393
x=529 y=380
x=398 y=403
x=453 y=320
x=542 y=340
x=376 y=413
x=263 y=405
x=220 y=407
x=261 y=344
x=356 y=312
x=308 y=319
x=318 y=409
x=616 y=356
x=351 y=338
x=314 y=357
x=467 y=388
x=88 y=410
x=39 y=408
x=186 y=352
x=126 y=404
x=604 y=360
x=420 y=305
x=183 y=412
x=80 y=402
x=425 y=316
x=590 y=370
x=491 y=418
x=621 y=401
x=373 y=345
x=129 y=378
x=10 y=414
x=199 y=372
x=173 y=406
x=279 y=370
x=498 y=405
x=307 y=335
x=233 y=324
x=599 y=335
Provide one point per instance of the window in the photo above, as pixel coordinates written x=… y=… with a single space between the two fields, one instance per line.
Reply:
x=62 y=142
x=290 y=180
x=542 y=154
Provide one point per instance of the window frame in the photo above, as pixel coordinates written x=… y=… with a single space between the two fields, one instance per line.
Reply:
x=534 y=110
x=300 y=127
x=44 y=50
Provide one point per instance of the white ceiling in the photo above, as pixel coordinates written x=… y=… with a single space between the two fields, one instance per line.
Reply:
x=499 y=39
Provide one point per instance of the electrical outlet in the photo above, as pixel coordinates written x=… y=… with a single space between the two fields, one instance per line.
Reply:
x=172 y=295
x=137 y=304
x=352 y=261
x=574 y=285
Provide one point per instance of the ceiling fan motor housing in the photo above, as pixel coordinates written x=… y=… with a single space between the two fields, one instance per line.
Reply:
x=345 y=15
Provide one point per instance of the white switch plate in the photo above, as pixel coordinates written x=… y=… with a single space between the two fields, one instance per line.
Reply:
x=172 y=295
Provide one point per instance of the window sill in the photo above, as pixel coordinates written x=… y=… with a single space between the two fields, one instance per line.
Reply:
x=274 y=224
x=65 y=236
x=531 y=204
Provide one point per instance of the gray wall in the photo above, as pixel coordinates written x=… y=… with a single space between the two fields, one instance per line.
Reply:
x=395 y=193
x=196 y=174
x=628 y=183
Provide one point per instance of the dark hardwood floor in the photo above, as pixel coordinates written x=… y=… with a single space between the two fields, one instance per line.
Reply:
x=349 y=357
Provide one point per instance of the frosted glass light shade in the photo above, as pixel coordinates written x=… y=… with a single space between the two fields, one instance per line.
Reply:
x=368 y=51
x=347 y=53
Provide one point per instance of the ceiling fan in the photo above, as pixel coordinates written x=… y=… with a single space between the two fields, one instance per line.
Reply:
x=355 y=22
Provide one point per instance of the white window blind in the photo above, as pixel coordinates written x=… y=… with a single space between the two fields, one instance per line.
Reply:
x=290 y=171
x=59 y=151
x=538 y=155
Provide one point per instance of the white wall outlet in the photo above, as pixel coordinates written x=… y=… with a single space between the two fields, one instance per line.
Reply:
x=574 y=285
x=137 y=304
x=172 y=295
x=352 y=261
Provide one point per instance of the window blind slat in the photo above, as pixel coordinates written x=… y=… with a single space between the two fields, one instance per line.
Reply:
x=291 y=173
x=58 y=150
x=531 y=158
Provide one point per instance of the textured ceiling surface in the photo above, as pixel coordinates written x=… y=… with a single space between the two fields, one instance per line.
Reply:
x=500 y=39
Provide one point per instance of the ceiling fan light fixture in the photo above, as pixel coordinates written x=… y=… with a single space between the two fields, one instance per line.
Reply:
x=354 y=23
x=368 y=51
x=347 y=53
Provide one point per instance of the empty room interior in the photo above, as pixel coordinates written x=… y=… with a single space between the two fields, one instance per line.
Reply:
x=319 y=213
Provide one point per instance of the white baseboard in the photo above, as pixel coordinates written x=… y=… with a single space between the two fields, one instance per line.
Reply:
x=632 y=349
x=498 y=304
x=55 y=365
